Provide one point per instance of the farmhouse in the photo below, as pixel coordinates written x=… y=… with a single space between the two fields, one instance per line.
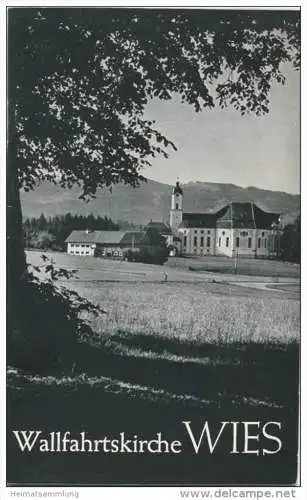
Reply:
x=105 y=243
x=236 y=229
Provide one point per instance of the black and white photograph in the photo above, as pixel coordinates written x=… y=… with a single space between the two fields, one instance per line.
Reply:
x=153 y=255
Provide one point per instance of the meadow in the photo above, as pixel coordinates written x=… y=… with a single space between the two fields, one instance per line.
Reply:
x=195 y=312
x=194 y=347
x=199 y=307
x=245 y=266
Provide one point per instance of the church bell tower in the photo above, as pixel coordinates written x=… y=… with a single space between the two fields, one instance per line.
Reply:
x=176 y=208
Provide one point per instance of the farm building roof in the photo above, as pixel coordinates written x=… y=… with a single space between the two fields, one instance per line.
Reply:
x=108 y=237
x=159 y=226
x=134 y=237
x=102 y=237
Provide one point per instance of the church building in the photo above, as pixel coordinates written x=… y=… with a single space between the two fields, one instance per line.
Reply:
x=237 y=229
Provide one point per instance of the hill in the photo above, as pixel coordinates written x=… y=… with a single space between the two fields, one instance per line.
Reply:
x=152 y=200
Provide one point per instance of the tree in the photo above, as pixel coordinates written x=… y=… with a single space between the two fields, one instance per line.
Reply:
x=155 y=238
x=158 y=250
x=79 y=81
x=291 y=242
x=42 y=223
x=42 y=240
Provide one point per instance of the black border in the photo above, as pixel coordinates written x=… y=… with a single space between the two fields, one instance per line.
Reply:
x=272 y=8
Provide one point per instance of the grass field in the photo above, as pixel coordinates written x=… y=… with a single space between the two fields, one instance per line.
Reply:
x=245 y=266
x=194 y=312
x=197 y=347
x=189 y=306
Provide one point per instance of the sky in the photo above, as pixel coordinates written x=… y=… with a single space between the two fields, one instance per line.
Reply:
x=223 y=146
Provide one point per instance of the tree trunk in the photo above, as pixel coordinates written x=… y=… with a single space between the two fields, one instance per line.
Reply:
x=16 y=262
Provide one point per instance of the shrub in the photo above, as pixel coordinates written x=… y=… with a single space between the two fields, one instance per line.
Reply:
x=148 y=255
x=45 y=331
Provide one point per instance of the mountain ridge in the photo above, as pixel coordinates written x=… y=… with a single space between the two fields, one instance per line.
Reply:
x=151 y=201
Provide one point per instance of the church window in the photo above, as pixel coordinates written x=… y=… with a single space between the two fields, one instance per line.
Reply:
x=185 y=241
x=201 y=241
x=177 y=206
x=209 y=232
x=265 y=243
x=195 y=231
x=202 y=231
x=237 y=242
x=219 y=242
x=259 y=242
x=262 y=234
x=223 y=233
x=195 y=241
x=249 y=243
x=208 y=241
x=227 y=242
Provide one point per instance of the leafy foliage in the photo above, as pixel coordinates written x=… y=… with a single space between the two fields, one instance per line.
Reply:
x=291 y=242
x=80 y=80
x=155 y=252
x=50 y=321
x=155 y=238
x=41 y=240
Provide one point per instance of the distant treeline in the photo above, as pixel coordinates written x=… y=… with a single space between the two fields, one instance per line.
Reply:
x=51 y=232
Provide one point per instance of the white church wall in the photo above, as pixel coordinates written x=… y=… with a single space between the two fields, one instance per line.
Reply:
x=198 y=241
x=224 y=242
x=262 y=243
x=244 y=242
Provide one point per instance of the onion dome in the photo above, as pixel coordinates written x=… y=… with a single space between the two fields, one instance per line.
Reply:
x=177 y=189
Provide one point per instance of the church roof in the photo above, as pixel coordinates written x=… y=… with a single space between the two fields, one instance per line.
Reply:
x=265 y=219
x=245 y=215
x=234 y=215
x=198 y=220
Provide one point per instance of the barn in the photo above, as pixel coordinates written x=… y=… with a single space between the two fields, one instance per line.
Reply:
x=111 y=244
